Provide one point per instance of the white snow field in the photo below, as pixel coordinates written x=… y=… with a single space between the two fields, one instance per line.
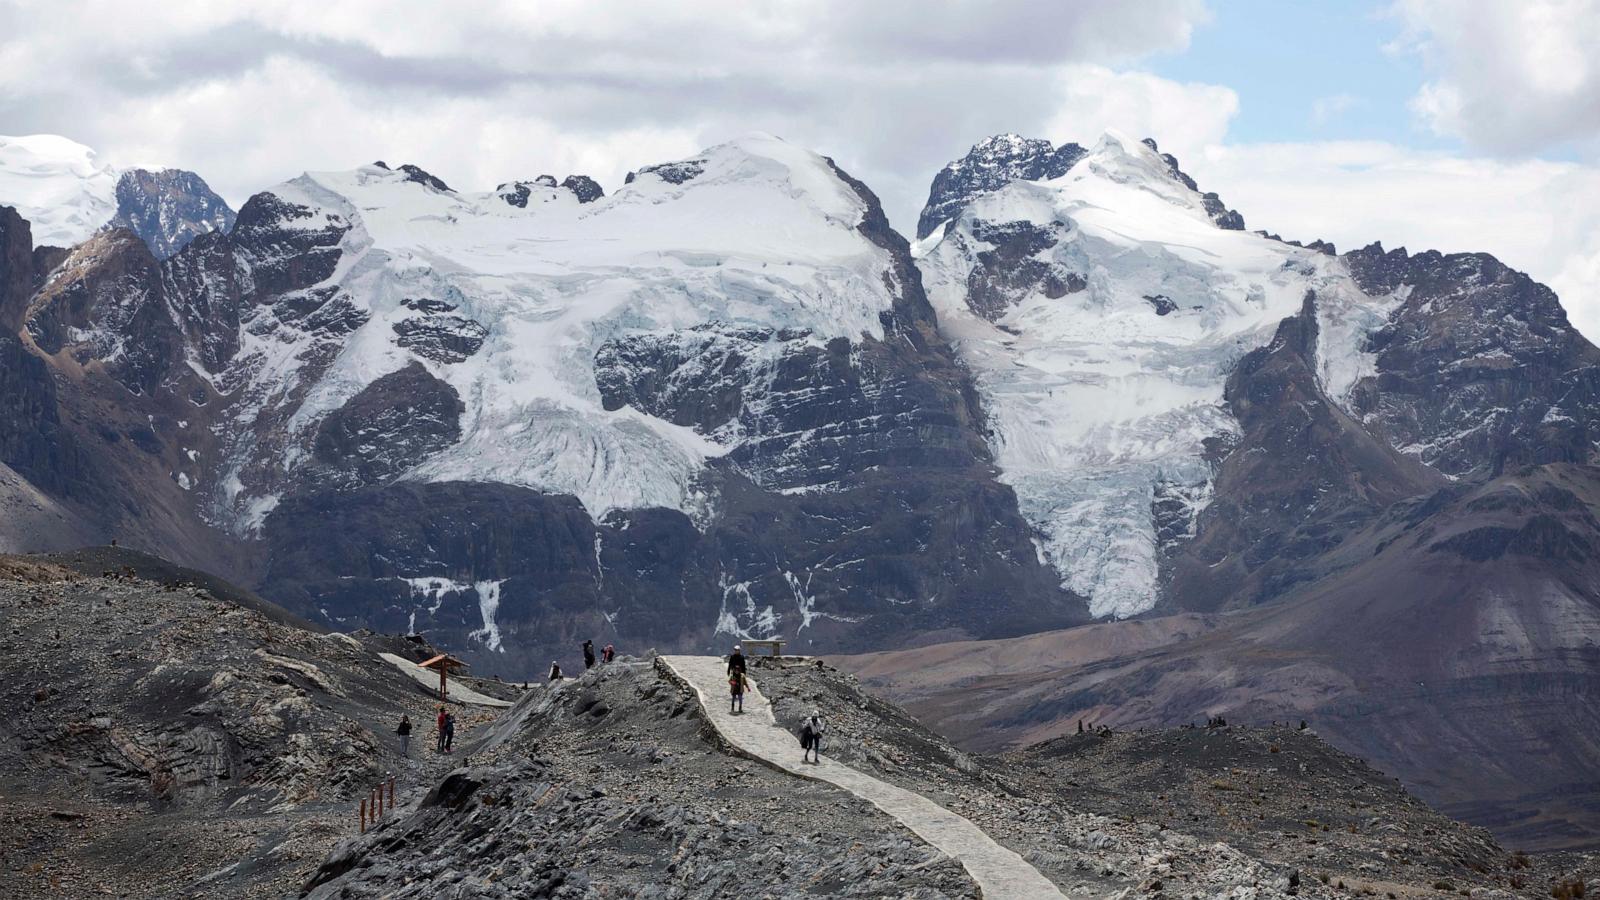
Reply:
x=763 y=235
x=1095 y=400
x=58 y=185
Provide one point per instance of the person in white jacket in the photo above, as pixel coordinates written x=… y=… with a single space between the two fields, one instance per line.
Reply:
x=811 y=737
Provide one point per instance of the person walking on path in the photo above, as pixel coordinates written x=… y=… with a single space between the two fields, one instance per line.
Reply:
x=439 y=739
x=811 y=738
x=449 y=732
x=736 y=687
x=405 y=735
x=588 y=654
x=736 y=661
x=609 y=654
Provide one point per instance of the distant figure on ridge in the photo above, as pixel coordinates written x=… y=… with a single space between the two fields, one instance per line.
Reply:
x=439 y=738
x=588 y=654
x=609 y=653
x=736 y=685
x=555 y=671
x=811 y=737
x=405 y=735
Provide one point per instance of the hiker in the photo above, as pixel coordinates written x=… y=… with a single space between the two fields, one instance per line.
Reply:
x=609 y=654
x=405 y=735
x=449 y=731
x=555 y=671
x=588 y=654
x=811 y=737
x=439 y=745
x=736 y=686
x=736 y=661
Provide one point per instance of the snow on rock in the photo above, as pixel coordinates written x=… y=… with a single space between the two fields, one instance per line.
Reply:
x=510 y=304
x=488 y=605
x=58 y=185
x=1100 y=312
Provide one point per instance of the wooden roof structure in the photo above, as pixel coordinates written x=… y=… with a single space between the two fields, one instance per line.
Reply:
x=444 y=664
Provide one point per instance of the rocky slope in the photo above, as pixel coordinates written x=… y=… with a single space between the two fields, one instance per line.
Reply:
x=1449 y=643
x=172 y=735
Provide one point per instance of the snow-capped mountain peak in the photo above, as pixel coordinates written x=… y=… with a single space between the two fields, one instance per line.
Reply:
x=1122 y=160
x=532 y=313
x=1101 y=311
x=58 y=185
x=67 y=194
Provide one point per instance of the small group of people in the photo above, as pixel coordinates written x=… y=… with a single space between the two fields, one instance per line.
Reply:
x=445 y=740
x=811 y=730
x=447 y=730
x=589 y=659
x=606 y=655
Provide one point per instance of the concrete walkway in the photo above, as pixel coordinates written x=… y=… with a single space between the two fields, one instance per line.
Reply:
x=1001 y=874
x=429 y=678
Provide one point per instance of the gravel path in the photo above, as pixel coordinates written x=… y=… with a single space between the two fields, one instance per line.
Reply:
x=1000 y=873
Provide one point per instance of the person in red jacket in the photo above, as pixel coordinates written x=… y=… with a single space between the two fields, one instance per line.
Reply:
x=439 y=747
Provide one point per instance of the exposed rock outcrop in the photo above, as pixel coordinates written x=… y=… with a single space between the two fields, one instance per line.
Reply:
x=169 y=208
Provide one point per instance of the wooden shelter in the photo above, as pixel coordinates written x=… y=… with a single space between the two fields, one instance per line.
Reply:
x=444 y=664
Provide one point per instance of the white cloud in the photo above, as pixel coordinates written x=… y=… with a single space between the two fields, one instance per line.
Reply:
x=1537 y=216
x=1183 y=118
x=1509 y=77
x=488 y=90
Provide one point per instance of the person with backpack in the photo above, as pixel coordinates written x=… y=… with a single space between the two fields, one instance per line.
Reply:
x=811 y=737
x=588 y=654
x=736 y=686
x=609 y=653
x=439 y=740
x=449 y=732
x=405 y=735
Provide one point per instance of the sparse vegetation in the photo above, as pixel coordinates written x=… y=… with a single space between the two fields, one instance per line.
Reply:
x=1569 y=889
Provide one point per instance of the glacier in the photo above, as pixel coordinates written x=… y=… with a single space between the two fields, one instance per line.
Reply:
x=751 y=234
x=1100 y=313
x=58 y=185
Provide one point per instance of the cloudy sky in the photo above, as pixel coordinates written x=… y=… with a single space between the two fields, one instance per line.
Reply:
x=1456 y=124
